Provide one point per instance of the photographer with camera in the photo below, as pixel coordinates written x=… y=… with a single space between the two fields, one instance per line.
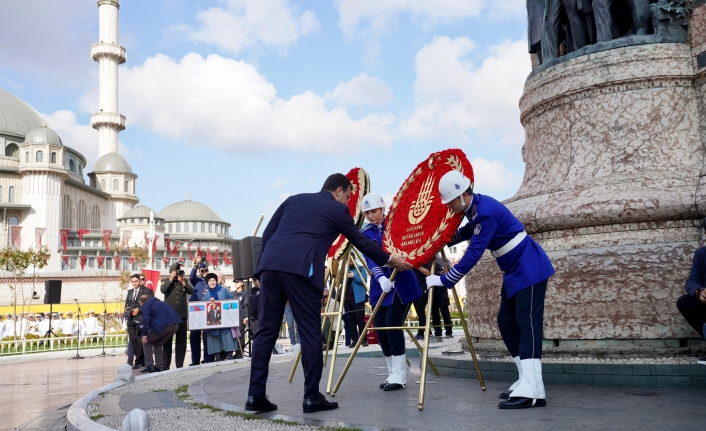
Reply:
x=134 y=318
x=176 y=292
x=198 y=272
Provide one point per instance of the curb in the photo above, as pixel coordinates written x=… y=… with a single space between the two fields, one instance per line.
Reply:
x=77 y=418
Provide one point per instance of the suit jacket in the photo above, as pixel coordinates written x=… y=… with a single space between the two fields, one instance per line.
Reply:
x=130 y=300
x=301 y=231
x=535 y=19
x=697 y=275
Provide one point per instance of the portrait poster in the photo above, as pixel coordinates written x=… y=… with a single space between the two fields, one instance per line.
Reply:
x=214 y=315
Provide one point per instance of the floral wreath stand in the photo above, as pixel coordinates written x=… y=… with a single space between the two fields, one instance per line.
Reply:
x=418 y=238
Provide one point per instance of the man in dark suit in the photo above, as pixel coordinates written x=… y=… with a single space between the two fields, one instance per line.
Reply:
x=693 y=305
x=291 y=268
x=214 y=315
x=134 y=318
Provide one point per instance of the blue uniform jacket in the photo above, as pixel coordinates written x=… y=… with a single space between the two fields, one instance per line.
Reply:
x=491 y=225
x=301 y=231
x=157 y=315
x=199 y=286
x=357 y=286
x=697 y=275
x=406 y=284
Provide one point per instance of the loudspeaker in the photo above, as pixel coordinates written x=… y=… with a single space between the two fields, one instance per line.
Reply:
x=52 y=292
x=246 y=253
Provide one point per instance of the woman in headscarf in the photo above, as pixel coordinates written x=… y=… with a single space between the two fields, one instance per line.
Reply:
x=220 y=341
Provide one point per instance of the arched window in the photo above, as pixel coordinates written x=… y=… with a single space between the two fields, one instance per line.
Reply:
x=11 y=197
x=80 y=169
x=13 y=151
x=109 y=263
x=13 y=220
x=73 y=263
x=178 y=227
x=91 y=262
x=210 y=228
x=125 y=189
x=66 y=212
x=72 y=166
x=95 y=217
x=103 y=185
x=186 y=227
x=126 y=263
x=53 y=157
x=115 y=185
x=82 y=215
x=39 y=157
x=203 y=227
x=169 y=228
x=196 y=227
x=26 y=157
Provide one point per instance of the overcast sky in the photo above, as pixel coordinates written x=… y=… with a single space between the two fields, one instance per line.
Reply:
x=242 y=103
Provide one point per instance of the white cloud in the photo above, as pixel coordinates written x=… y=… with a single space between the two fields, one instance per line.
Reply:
x=361 y=90
x=246 y=24
x=279 y=183
x=493 y=177
x=455 y=99
x=227 y=104
x=379 y=14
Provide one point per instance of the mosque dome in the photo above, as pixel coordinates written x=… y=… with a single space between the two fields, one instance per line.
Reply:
x=189 y=210
x=112 y=162
x=139 y=212
x=43 y=135
x=17 y=117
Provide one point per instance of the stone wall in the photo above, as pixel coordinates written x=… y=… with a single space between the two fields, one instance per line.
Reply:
x=613 y=191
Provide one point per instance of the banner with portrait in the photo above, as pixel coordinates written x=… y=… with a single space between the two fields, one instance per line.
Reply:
x=214 y=315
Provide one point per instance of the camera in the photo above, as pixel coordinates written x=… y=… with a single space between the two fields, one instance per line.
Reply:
x=179 y=272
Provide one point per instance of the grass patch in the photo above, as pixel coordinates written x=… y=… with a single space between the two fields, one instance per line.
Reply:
x=340 y=429
x=96 y=417
x=102 y=393
x=159 y=390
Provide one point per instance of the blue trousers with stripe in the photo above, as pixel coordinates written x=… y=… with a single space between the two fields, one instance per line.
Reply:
x=521 y=321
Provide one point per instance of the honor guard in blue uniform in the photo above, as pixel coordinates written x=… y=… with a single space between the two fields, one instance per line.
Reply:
x=400 y=295
x=526 y=269
x=291 y=268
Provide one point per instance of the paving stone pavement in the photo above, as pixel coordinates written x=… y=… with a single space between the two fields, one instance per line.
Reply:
x=453 y=404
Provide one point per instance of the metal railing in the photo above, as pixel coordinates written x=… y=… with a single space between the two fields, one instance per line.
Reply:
x=456 y=323
x=55 y=344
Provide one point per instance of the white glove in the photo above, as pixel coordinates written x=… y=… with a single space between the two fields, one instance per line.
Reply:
x=386 y=284
x=434 y=280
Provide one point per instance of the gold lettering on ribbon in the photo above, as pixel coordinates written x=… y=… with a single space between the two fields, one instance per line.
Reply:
x=420 y=207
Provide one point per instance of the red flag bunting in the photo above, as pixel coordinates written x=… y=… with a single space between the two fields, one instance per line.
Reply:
x=165 y=260
x=64 y=234
x=106 y=239
x=82 y=232
x=154 y=245
x=168 y=242
x=209 y=257
x=216 y=258
x=131 y=259
x=116 y=260
x=127 y=234
x=100 y=260
x=177 y=245
x=198 y=250
x=82 y=259
x=38 y=233
x=15 y=236
x=188 y=250
x=65 y=259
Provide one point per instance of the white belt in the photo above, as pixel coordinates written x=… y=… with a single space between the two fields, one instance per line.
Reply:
x=507 y=248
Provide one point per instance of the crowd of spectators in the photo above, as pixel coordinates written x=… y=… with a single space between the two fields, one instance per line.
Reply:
x=37 y=325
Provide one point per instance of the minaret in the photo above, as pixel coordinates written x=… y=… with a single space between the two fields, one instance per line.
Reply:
x=109 y=56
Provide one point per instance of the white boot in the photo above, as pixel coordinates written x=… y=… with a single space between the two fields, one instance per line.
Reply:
x=388 y=359
x=399 y=372
x=531 y=385
x=519 y=370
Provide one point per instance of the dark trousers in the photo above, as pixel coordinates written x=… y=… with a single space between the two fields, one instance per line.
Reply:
x=392 y=342
x=521 y=321
x=154 y=354
x=694 y=311
x=136 y=344
x=440 y=304
x=195 y=341
x=305 y=299
x=180 y=347
x=420 y=304
x=355 y=319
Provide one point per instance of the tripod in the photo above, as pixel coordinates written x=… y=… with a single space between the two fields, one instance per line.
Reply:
x=50 y=332
x=105 y=332
x=78 y=326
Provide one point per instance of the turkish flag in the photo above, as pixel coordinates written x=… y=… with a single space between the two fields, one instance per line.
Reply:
x=151 y=279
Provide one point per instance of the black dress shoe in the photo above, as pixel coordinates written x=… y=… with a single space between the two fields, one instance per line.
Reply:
x=159 y=369
x=393 y=387
x=383 y=384
x=136 y=366
x=521 y=403
x=259 y=404
x=149 y=369
x=318 y=405
x=505 y=395
x=130 y=364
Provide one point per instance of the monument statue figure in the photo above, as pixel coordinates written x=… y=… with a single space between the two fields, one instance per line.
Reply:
x=640 y=10
x=578 y=32
x=604 y=20
x=535 y=19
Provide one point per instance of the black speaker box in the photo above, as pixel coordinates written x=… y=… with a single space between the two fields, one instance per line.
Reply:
x=52 y=292
x=246 y=253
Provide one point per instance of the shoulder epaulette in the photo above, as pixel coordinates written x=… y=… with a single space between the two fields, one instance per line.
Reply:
x=366 y=227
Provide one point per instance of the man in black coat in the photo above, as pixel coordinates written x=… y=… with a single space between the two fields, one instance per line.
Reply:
x=134 y=318
x=693 y=305
x=176 y=290
x=291 y=267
